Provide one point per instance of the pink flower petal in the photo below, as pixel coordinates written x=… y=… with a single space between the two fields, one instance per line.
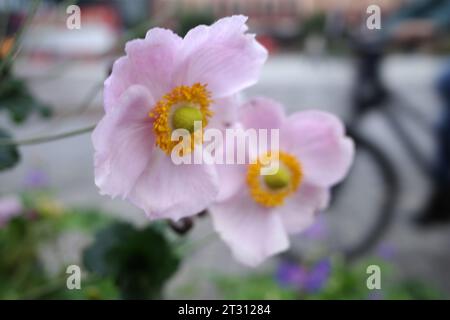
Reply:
x=232 y=178
x=262 y=113
x=167 y=190
x=317 y=139
x=253 y=232
x=240 y=151
x=299 y=210
x=222 y=56
x=149 y=62
x=123 y=142
x=224 y=112
x=258 y=113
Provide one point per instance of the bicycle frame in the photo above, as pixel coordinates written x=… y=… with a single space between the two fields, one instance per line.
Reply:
x=371 y=95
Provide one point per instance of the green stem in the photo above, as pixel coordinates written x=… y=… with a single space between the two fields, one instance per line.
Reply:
x=189 y=247
x=84 y=105
x=43 y=139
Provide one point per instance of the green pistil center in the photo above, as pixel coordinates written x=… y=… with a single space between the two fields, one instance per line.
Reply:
x=279 y=180
x=185 y=117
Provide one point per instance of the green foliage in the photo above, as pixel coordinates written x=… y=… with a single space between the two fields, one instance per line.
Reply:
x=254 y=287
x=349 y=282
x=20 y=268
x=92 y=289
x=17 y=100
x=123 y=261
x=315 y=24
x=189 y=20
x=19 y=103
x=9 y=155
x=60 y=219
x=42 y=221
x=139 y=261
x=412 y=289
x=346 y=282
x=127 y=262
x=85 y=220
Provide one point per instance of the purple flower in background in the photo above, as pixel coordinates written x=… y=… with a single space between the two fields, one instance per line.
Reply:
x=375 y=295
x=318 y=276
x=386 y=251
x=10 y=206
x=311 y=280
x=290 y=274
x=36 y=178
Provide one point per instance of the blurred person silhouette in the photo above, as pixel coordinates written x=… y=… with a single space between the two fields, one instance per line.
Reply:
x=415 y=22
x=439 y=207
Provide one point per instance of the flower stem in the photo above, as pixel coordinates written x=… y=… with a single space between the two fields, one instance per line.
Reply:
x=43 y=139
x=192 y=246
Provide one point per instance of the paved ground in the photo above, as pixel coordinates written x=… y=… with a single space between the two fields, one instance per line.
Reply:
x=300 y=83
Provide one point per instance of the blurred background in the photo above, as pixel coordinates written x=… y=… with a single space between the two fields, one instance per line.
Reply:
x=390 y=82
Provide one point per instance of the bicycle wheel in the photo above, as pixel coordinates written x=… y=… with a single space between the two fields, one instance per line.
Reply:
x=363 y=205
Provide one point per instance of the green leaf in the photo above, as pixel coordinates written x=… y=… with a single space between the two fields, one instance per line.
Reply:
x=9 y=155
x=19 y=107
x=139 y=261
x=11 y=87
x=19 y=101
x=189 y=20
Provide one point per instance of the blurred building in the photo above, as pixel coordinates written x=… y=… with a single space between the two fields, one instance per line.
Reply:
x=281 y=17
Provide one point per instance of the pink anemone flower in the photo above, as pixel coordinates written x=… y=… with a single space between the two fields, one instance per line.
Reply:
x=313 y=155
x=163 y=83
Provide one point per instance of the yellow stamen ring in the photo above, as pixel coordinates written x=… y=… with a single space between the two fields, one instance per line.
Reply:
x=272 y=190
x=179 y=109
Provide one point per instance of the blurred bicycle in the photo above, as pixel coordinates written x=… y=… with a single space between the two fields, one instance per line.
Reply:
x=421 y=21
